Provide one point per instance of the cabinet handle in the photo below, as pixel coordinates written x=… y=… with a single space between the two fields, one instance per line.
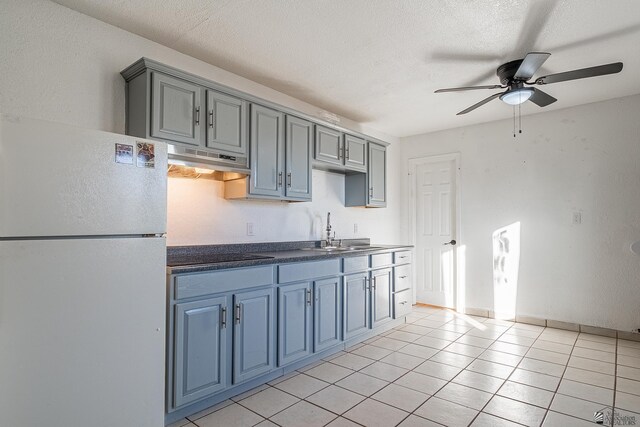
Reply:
x=309 y=297
x=370 y=191
x=279 y=179
x=373 y=284
x=402 y=257
x=289 y=179
x=346 y=152
x=403 y=302
x=211 y=119
x=340 y=152
x=238 y=313
x=366 y=283
x=402 y=277
x=197 y=116
x=223 y=314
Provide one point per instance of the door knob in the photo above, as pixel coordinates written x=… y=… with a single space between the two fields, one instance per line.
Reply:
x=452 y=243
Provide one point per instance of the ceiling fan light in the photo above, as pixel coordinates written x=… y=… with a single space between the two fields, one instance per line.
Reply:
x=517 y=96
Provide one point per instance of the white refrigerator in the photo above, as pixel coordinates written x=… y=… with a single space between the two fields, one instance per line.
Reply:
x=82 y=276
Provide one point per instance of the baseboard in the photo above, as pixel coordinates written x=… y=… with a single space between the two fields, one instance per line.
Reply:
x=551 y=323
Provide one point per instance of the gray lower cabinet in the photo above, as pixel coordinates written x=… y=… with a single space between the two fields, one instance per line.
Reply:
x=226 y=123
x=356 y=304
x=253 y=334
x=231 y=326
x=295 y=328
x=381 y=301
x=327 y=313
x=176 y=110
x=200 y=363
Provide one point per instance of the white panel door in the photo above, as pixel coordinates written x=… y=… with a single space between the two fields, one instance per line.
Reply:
x=434 y=227
x=82 y=332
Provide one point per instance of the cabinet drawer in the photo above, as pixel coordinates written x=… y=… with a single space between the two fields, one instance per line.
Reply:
x=198 y=284
x=355 y=264
x=402 y=257
x=381 y=260
x=401 y=303
x=308 y=270
x=402 y=278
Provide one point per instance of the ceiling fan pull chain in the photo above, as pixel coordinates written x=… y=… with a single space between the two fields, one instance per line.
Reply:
x=519 y=118
x=514 y=121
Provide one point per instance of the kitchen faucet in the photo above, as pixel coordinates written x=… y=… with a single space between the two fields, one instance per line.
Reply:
x=328 y=242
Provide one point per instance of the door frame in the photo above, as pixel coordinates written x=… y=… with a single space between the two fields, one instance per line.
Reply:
x=411 y=207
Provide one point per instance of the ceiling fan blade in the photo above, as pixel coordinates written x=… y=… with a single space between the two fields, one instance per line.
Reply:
x=530 y=65
x=583 y=73
x=481 y=103
x=460 y=89
x=541 y=99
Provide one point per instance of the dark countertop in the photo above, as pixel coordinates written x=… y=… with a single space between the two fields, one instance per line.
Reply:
x=277 y=253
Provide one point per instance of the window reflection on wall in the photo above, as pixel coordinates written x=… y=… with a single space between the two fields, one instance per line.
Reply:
x=506 y=263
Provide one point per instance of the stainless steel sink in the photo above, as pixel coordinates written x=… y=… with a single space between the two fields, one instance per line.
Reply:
x=341 y=248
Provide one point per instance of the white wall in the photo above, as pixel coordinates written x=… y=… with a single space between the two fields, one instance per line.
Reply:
x=199 y=214
x=584 y=159
x=63 y=66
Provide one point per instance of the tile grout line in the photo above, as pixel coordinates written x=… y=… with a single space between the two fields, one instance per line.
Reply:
x=555 y=393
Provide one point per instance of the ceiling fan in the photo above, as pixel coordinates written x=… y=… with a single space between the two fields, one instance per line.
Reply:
x=514 y=76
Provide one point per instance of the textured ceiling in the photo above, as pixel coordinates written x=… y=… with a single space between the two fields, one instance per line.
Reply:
x=378 y=61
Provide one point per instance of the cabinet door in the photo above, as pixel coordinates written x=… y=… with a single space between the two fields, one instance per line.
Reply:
x=355 y=153
x=200 y=349
x=253 y=334
x=327 y=313
x=267 y=151
x=377 y=176
x=328 y=145
x=356 y=304
x=175 y=110
x=382 y=307
x=299 y=139
x=226 y=123
x=294 y=322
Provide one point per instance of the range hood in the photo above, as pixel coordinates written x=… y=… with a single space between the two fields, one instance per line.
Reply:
x=194 y=163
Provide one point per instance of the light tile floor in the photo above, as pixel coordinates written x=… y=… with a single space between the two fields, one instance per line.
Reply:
x=442 y=368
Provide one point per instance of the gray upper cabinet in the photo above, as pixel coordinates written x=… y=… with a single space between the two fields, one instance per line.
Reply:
x=355 y=153
x=382 y=304
x=369 y=189
x=226 y=123
x=377 y=176
x=295 y=328
x=340 y=151
x=328 y=145
x=356 y=304
x=267 y=151
x=200 y=349
x=253 y=334
x=299 y=148
x=176 y=110
x=327 y=313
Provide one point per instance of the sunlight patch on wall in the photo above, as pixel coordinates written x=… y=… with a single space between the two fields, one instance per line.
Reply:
x=506 y=264
x=461 y=282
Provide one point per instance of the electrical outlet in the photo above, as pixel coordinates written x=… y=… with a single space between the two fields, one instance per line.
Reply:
x=250 y=229
x=355 y=228
x=577 y=218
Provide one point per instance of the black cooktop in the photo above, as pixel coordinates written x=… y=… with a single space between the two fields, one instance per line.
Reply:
x=178 y=261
